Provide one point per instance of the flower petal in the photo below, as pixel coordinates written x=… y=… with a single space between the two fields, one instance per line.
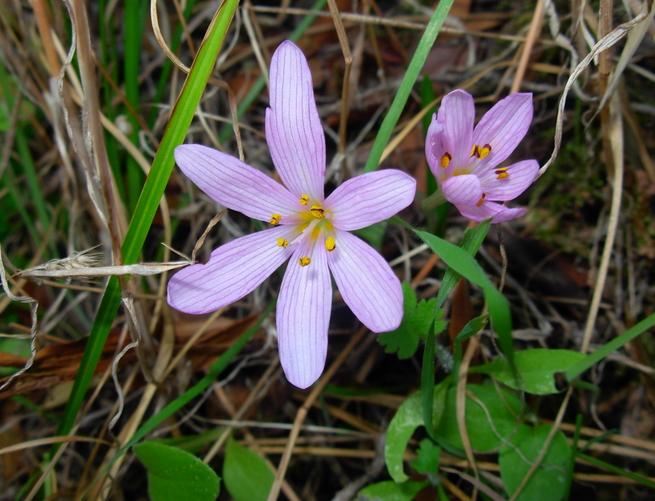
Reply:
x=457 y=114
x=303 y=314
x=366 y=282
x=233 y=270
x=234 y=184
x=519 y=176
x=370 y=198
x=503 y=127
x=293 y=129
x=435 y=147
x=462 y=190
x=497 y=212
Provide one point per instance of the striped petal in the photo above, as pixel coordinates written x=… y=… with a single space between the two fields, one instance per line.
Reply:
x=303 y=314
x=457 y=114
x=498 y=213
x=503 y=127
x=462 y=190
x=293 y=129
x=366 y=282
x=507 y=183
x=233 y=271
x=370 y=198
x=435 y=148
x=234 y=184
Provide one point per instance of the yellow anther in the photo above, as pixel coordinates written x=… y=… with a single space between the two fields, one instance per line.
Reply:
x=304 y=199
x=282 y=242
x=474 y=151
x=304 y=261
x=501 y=173
x=481 y=200
x=484 y=151
x=275 y=219
x=445 y=160
x=317 y=211
x=330 y=244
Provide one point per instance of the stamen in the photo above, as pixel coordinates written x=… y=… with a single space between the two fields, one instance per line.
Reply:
x=501 y=173
x=317 y=211
x=484 y=151
x=304 y=199
x=282 y=242
x=445 y=160
x=330 y=244
x=481 y=200
x=304 y=261
x=475 y=152
x=275 y=219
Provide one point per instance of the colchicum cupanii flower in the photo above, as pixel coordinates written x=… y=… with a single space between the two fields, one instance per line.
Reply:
x=466 y=160
x=309 y=230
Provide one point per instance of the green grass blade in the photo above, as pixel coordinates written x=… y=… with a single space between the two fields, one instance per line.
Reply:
x=427 y=382
x=260 y=83
x=133 y=26
x=598 y=463
x=407 y=83
x=616 y=343
x=465 y=265
x=29 y=169
x=148 y=201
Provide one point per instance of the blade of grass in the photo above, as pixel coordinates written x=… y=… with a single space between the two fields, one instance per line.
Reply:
x=133 y=26
x=598 y=463
x=29 y=169
x=616 y=343
x=148 y=202
x=260 y=83
x=427 y=382
x=407 y=83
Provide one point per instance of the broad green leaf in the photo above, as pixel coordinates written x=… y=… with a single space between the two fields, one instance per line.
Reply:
x=553 y=476
x=427 y=457
x=407 y=419
x=193 y=443
x=536 y=369
x=174 y=474
x=492 y=418
x=391 y=491
x=246 y=475
x=416 y=321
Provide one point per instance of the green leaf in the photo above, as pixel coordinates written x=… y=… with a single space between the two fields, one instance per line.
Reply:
x=391 y=491
x=246 y=475
x=536 y=369
x=465 y=265
x=174 y=474
x=427 y=457
x=492 y=418
x=416 y=321
x=406 y=85
x=553 y=476
x=408 y=417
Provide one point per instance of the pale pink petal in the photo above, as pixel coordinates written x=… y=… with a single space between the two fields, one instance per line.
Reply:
x=370 y=198
x=462 y=190
x=232 y=183
x=456 y=114
x=366 y=282
x=233 y=270
x=498 y=213
x=293 y=128
x=435 y=147
x=303 y=314
x=503 y=127
x=519 y=176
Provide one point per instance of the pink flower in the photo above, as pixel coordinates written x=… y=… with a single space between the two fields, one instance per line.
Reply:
x=465 y=160
x=307 y=228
